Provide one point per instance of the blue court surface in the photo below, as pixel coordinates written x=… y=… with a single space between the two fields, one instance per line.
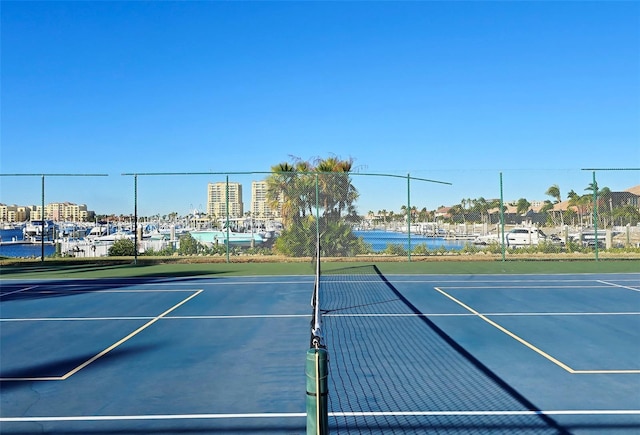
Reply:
x=407 y=354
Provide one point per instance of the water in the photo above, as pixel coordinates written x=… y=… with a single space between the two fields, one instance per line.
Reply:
x=21 y=250
x=379 y=240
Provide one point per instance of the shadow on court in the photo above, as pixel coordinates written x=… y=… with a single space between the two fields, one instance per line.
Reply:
x=53 y=288
x=406 y=362
x=60 y=367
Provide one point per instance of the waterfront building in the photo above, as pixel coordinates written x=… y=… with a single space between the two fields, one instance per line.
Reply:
x=260 y=208
x=66 y=211
x=217 y=200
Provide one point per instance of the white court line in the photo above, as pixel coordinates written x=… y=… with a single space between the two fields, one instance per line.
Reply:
x=620 y=286
x=307 y=280
x=294 y=316
x=302 y=414
x=108 y=349
x=524 y=287
x=85 y=319
x=530 y=345
x=17 y=291
x=600 y=313
x=80 y=291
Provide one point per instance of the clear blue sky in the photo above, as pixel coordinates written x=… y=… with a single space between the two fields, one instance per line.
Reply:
x=451 y=91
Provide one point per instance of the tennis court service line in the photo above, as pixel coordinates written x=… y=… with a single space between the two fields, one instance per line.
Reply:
x=620 y=286
x=18 y=291
x=531 y=346
x=110 y=348
x=303 y=414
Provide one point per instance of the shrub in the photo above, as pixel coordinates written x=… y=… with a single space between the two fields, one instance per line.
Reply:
x=122 y=248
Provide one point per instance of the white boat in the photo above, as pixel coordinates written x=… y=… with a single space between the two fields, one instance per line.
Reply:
x=100 y=230
x=487 y=239
x=525 y=236
x=122 y=234
x=35 y=230
x=216 y=237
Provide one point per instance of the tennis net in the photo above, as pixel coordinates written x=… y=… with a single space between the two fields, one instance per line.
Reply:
x=394 y=371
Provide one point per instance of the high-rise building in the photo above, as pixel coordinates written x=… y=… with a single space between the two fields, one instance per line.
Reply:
x=260 y=208
x=66 y=211
x=217 y=200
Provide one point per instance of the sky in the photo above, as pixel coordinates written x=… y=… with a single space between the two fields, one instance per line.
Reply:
x=481 y=95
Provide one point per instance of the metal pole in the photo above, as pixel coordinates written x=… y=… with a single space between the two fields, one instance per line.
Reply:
x=595 y=213
x=409 y=216
x=42 y=230
x=135 y=219
x=502 y=220
x=317 y=214
x=227 y=206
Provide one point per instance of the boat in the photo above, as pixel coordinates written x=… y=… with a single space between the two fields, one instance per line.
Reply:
x=112 y=237
x=35 y=229
x=526 y=236
x=100 y=230
x=216 y=237
x=487 y=239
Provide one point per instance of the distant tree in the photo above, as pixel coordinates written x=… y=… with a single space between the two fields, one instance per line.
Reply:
x=122 y=248
x=188 y=245
x=314 y=195
x=522 y=206
x=626 y=214
x=554 y=192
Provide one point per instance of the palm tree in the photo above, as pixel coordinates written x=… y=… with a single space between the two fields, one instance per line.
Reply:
x=457 y=209
x=605 y=199
x=281 y=192
x=522 y=206
x=554 y=192
x=482 y=206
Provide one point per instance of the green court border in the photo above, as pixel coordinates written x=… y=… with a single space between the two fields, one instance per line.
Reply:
x=126 y=269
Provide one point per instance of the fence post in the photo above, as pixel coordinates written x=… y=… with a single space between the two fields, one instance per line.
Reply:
x=42 y=217
x=226 y=194
x=502 y=220
x=595 y=213
x=135 y=219
x=409 y=217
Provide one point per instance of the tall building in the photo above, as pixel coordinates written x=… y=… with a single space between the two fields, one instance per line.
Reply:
x=66 y=211
x=217 y=200
x=259 y=205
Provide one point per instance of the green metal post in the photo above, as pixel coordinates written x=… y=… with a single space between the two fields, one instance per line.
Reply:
x=135 y=219
x=502 y=220
x=42 y=231
x=595 y=213
x=227 y=207
x=409 y=216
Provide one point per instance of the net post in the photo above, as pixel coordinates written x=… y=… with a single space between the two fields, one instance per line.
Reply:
x=317 y=367
x=317 y=370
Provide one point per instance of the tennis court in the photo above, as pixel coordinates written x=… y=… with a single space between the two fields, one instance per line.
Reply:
x=407 y=353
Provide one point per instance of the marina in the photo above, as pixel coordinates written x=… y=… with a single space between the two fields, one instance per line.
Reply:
x=95 y=241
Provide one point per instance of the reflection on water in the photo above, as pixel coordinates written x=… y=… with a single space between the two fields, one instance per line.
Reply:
x=379 y=240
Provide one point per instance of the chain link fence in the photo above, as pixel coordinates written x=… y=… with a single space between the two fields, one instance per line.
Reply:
x=279 y=214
